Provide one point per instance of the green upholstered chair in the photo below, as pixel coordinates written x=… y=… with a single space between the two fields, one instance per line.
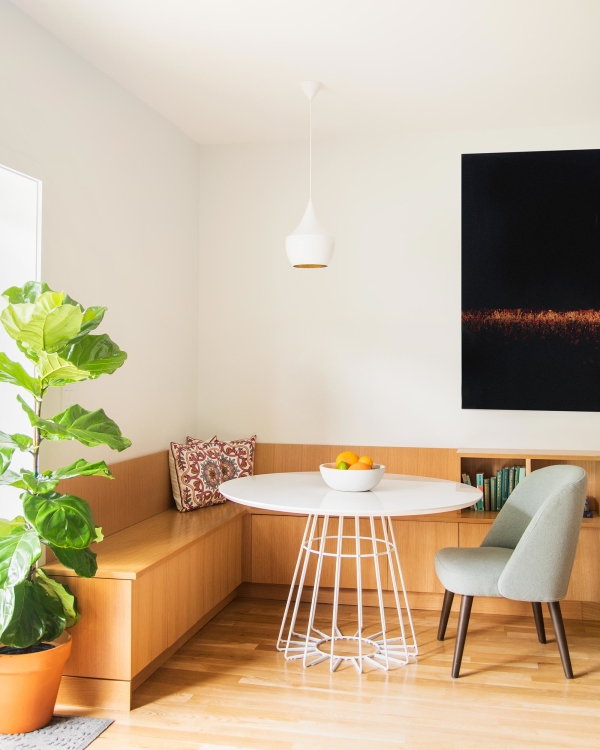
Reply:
x=527 y=555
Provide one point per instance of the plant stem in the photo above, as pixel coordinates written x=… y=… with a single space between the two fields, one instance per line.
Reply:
x=36 y=438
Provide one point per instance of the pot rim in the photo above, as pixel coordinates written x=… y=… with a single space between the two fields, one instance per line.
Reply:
x=63 y=641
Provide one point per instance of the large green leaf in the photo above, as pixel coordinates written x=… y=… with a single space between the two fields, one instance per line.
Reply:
x=61 y=592
x=92 y=317
x=7 y=527
x=6 y=455
x=81 y=468
x=56 y=618
x=16 y=441
x=41 y=483
x=90 y=428
x=12 y=479
x=27 y=480
x=62 y=520
x=56 y=371
x=48 y=325
x=96 y=354
x=18 y=552
x=15 y=374
x=82 y=561
x=29 y=292
x=22 y=616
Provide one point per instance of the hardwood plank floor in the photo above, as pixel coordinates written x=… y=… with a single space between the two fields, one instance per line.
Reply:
x=228 y=688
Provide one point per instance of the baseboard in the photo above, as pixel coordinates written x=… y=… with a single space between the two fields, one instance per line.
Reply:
x=419 y=600
x=87 y=692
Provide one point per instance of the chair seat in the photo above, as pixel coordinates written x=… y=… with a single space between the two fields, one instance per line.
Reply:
x=472 y=571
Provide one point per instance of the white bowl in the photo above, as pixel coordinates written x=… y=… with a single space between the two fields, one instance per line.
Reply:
x=346 y=480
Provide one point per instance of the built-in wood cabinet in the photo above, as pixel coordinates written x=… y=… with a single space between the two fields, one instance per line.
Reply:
x=273 y=540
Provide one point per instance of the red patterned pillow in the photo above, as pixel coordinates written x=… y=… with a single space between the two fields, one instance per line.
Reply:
x=196 y=474
x=237 y=456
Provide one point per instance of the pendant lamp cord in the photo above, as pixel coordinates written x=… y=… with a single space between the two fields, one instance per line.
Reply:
x=310 y=151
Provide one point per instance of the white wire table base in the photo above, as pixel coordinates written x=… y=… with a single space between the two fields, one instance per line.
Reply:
x=314 y=646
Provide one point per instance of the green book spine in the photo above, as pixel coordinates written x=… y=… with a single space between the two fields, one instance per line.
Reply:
x=493 y=493
x=522 y=473
x=486 y=494
x=504 y=485
x=511 y=479
x=499 y=490
x=480 y=486
x=517 y=475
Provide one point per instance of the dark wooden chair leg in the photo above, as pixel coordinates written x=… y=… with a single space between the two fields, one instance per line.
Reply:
x=561 y=638
x=539 y=621
x=446 y=607
x=463 y=623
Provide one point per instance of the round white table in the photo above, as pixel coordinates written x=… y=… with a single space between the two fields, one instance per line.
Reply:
x=307 y=493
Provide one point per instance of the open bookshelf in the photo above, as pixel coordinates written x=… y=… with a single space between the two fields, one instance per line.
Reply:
x=488 y=461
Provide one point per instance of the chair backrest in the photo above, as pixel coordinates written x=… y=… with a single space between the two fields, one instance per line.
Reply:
x=540 y=522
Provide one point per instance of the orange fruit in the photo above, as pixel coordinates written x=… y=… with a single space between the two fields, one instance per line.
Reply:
x=360 y=466
x=366 y=460
x=347 y=457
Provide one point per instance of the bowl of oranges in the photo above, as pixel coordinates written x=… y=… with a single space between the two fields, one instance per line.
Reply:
x=352 y=473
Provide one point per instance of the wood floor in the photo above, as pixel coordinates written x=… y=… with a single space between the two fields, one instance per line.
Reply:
x=228 y=688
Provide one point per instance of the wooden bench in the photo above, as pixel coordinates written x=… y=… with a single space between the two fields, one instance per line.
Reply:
x=158 y=582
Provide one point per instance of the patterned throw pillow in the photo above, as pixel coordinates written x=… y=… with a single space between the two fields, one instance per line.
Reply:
x=196 y=474
x=237 y=456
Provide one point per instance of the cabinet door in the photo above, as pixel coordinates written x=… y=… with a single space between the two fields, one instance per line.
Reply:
x=276 y=543
x=418 y=541
x=472 y=534
x=585 y=584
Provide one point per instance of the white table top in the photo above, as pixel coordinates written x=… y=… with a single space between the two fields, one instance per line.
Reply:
x=307 y=493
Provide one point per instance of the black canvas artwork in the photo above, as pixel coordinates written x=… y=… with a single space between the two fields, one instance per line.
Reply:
x=531 y=281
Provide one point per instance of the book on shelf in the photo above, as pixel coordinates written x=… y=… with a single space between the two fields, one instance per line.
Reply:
x=479 y=484
x=504 y=485
x=496 y=489
x=499 y=489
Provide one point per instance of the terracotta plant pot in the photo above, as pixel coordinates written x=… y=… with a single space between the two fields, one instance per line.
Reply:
x=29 y=685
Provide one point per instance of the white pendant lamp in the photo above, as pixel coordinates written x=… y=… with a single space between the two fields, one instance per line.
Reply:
x=309 y=245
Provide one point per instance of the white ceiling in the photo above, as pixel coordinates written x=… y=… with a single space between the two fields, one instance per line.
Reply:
x=227 y=70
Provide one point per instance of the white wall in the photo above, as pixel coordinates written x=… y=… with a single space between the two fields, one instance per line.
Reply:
x=367 y=351
x=120 y=227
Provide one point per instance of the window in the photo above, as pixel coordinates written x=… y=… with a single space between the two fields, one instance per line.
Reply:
x=20 y=223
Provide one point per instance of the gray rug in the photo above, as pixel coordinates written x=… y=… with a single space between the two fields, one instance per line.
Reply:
x=63 y=732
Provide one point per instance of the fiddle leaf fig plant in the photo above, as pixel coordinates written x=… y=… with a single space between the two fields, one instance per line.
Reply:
x=54 y=332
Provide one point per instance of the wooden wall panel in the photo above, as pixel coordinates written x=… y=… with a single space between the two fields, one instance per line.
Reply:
x=201 y=576
x=442 y=463
x=276 y=542
x=472 y=534
x=141 y=489
x=102 y=638
x=221 y=561
x=418 y=541
x=185 y=593
x=149 y=636
x=585 y=584
x=247 y=548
